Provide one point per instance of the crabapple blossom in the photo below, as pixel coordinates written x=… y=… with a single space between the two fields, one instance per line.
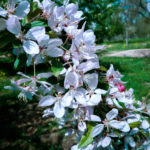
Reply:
x=99 y=117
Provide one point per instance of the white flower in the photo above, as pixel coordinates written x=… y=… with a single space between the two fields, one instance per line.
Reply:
x=93 y=94
x=14 y=15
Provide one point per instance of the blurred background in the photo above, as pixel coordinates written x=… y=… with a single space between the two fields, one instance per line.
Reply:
x=123 y=26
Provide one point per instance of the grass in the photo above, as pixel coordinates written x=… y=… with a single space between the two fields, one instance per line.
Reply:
x=133 y=44
x=136 y=72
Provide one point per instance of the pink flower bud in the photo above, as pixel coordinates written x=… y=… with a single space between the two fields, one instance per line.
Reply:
x=121 y=87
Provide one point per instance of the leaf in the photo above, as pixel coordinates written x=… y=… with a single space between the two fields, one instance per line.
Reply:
x=38 y=23
x=102 y=68
x=34 y=11
x=142 y=132
x=56 y=68
x=121 y=104
x=52 y=34
x=135 y=124
x=16 y=63
x=86 y=139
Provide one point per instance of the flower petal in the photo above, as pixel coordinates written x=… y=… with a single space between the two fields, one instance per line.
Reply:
x=13 y=25
x=89 y=65
x=36 y=33
x=22 y=9
x=71 y=9
x=3 y=12
x=71 y=79
x=59 y=110
x=95 y=99
x=97 y=130
x=145 y=124
x=44 y=75
x=89 y=37
x=82 y=126
x=91 y=80
x=54 y=52
x=54 y=43
x=67 y=98
x=112 y=114
x=106 y=142
x=31 y=47
x=47 y=101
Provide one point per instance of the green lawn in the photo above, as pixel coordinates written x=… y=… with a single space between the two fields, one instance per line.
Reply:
x=133 y=44
x=136 y=72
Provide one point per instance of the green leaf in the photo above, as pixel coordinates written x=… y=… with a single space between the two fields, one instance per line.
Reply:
x=16 y=63
x=135 y=124
x=121 y=104
x=34 y=11
x=57 y=67
x=38 y=23
x=142 y=132
x=52 y=34
x=86 y=139
x=102 y=68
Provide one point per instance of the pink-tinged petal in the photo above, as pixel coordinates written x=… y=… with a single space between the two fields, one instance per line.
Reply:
x=121 y=87
x=36 y=33
x=106 y=142
x=47 y=101
x=54 y=52
x=22 y=9
x=59 y=110
x=112 y=114
x=31 y=47
x=2 y=24
x=3 y=12
x=89 y=37
x=97 y=130
x=13 y=25
x=71 y=9
x=91 y=80
x=89 y=65
x=82 y=126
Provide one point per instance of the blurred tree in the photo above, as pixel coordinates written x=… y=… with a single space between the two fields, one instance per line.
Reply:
x=103 y=16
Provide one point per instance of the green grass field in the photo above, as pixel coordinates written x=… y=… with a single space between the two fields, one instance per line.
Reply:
x=133 y=44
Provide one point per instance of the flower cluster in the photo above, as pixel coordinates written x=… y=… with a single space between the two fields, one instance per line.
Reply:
x=79 y=100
